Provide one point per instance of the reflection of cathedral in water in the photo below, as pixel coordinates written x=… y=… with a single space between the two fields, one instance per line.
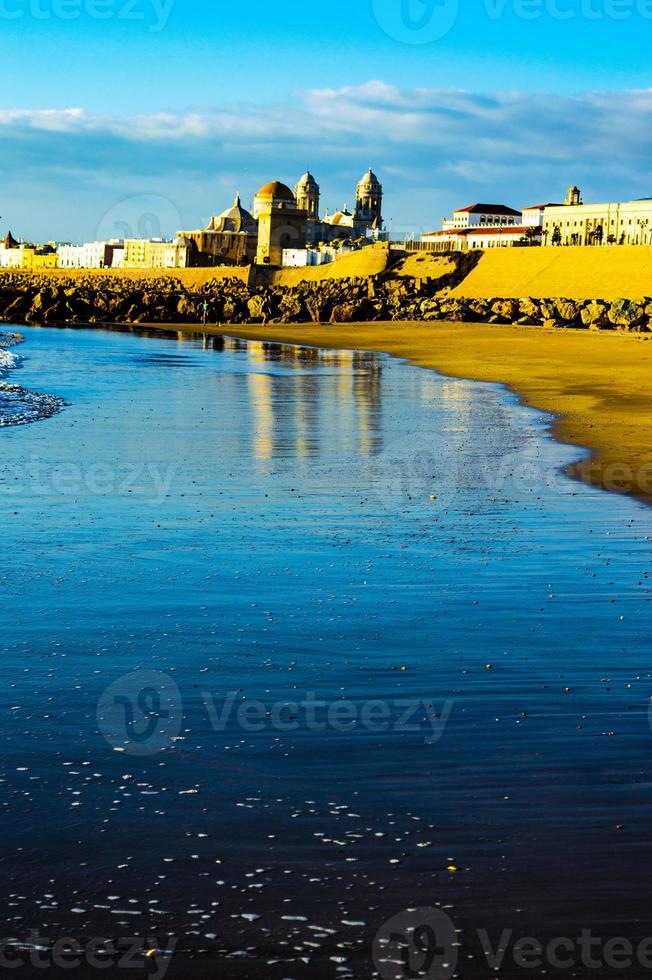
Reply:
x=301 y=414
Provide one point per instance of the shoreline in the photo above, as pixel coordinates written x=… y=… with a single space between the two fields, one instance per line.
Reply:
x=595 y=385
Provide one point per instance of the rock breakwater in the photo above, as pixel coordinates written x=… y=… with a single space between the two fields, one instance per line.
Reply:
x=89 y=299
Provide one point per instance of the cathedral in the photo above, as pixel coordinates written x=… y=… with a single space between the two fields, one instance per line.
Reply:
x=365 y=221
x=282 y=219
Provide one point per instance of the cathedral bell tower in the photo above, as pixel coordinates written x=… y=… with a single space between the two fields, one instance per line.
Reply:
x=306 y=193
x=369 y=202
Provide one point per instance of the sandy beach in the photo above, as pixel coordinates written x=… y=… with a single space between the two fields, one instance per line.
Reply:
x=595 y=384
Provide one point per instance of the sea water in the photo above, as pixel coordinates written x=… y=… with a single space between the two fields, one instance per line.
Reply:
x=294 y=642
x=17 y=405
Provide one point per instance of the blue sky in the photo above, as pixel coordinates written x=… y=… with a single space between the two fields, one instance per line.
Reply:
x=151 y=113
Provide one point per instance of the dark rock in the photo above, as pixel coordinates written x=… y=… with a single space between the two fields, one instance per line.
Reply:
x=506 y=309
x=567 y=310
x=626 y=315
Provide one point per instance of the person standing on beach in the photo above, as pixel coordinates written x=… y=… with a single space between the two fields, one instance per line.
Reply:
x=265 y=309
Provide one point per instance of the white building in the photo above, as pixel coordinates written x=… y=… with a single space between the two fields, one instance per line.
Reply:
x=616 y=223
x=11 y=258
x=304 y=257
x=466 y=239
x=533 y=216
x=300 y=258
x=91 y=255
x=485 y=226
x=482 y=216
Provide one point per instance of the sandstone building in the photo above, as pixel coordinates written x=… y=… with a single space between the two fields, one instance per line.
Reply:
x=575 y=223
x=142 y=253
x=230 y=238
x=282 y=224
x=364 y=222
x=283 y=221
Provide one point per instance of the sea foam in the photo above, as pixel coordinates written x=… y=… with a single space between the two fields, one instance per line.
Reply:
x=18 y=406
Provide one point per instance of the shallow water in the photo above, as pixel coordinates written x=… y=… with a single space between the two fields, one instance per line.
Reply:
x=17 y=405
x=213 y=536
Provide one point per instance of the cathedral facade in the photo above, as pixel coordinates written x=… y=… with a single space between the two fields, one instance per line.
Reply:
x=229 y=239
x=365 y=221
x=282 y=219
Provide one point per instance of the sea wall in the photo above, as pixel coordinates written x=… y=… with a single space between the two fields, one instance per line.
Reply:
x=386 y=296
x=189 y=277
x=578 y=272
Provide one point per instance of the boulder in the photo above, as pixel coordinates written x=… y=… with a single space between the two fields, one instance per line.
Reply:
x=595 y=316
x=42 y=301
x=17 y=309
x=292 y=308
x=626 y=315
x=186 y=308
x=530 y=310
x=479 y=307
x=347 y=313
x=59 y=312
x=567 y=310
x=255 y=306
x=453 y=309
x=318 y=309
x=505 y=308
x=548 y=310
x=429 y=305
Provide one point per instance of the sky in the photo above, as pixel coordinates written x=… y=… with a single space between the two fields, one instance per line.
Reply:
x=144 y=117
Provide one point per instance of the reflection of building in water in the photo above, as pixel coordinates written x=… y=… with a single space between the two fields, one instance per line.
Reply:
x=307 y=397
x=212 y=342
x=459 y=400
x=261 y=391
x=233 y=345
x=368 y=388
x=456 y=397
x=299 y=415
x=256 y=351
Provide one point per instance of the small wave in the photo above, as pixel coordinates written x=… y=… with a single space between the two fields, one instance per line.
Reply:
x=8 y=360
x=18 y=406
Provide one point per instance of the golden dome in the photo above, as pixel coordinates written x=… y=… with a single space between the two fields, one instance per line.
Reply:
x=275 y=190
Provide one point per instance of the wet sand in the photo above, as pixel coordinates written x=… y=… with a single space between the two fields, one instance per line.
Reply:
x=597 y=385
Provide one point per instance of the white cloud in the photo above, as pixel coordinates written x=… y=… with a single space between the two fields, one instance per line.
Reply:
x=435 y=148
